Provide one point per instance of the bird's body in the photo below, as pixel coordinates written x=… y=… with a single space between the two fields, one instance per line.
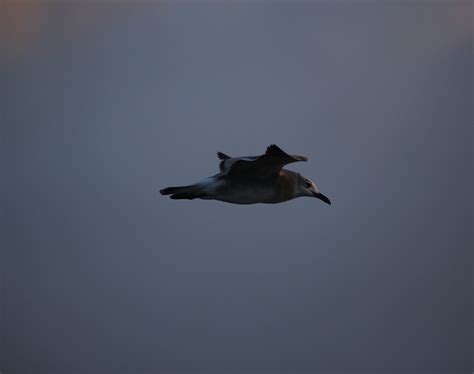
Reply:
x=245 y=191
x=251 y=180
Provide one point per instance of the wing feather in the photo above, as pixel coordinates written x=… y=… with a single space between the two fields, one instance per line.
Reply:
x=264 y=166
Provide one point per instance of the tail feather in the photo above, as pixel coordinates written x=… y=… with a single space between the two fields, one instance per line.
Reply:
x=179 y=196
x=177 y=190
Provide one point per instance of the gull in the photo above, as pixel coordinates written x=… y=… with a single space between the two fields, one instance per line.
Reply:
x=251 y=180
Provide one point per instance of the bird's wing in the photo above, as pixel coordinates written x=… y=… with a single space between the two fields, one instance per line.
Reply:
x=266 y=165
x=223 y=157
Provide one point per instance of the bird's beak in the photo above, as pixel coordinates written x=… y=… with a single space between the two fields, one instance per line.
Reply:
x=320 y=196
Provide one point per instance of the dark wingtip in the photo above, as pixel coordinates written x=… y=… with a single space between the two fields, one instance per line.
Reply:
x=275 y=150
x=222 y=156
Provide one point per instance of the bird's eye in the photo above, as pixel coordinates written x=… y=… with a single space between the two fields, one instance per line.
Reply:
x=307 y=184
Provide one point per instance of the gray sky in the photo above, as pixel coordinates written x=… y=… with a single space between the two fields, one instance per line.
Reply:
x=105 y=104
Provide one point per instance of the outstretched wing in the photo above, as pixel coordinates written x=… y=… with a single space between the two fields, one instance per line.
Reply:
x=264 y=166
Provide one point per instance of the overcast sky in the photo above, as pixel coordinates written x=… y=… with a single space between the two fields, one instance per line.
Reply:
x=103 y=105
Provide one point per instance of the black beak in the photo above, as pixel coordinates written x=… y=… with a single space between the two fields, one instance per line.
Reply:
x=320 y=196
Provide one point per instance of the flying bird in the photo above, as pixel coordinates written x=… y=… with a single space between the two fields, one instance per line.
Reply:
x=251 y=180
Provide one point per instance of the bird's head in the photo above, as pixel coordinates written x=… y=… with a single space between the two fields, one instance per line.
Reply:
x=306 y=187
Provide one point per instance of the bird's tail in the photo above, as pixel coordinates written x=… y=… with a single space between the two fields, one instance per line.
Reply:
x=183 y=192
